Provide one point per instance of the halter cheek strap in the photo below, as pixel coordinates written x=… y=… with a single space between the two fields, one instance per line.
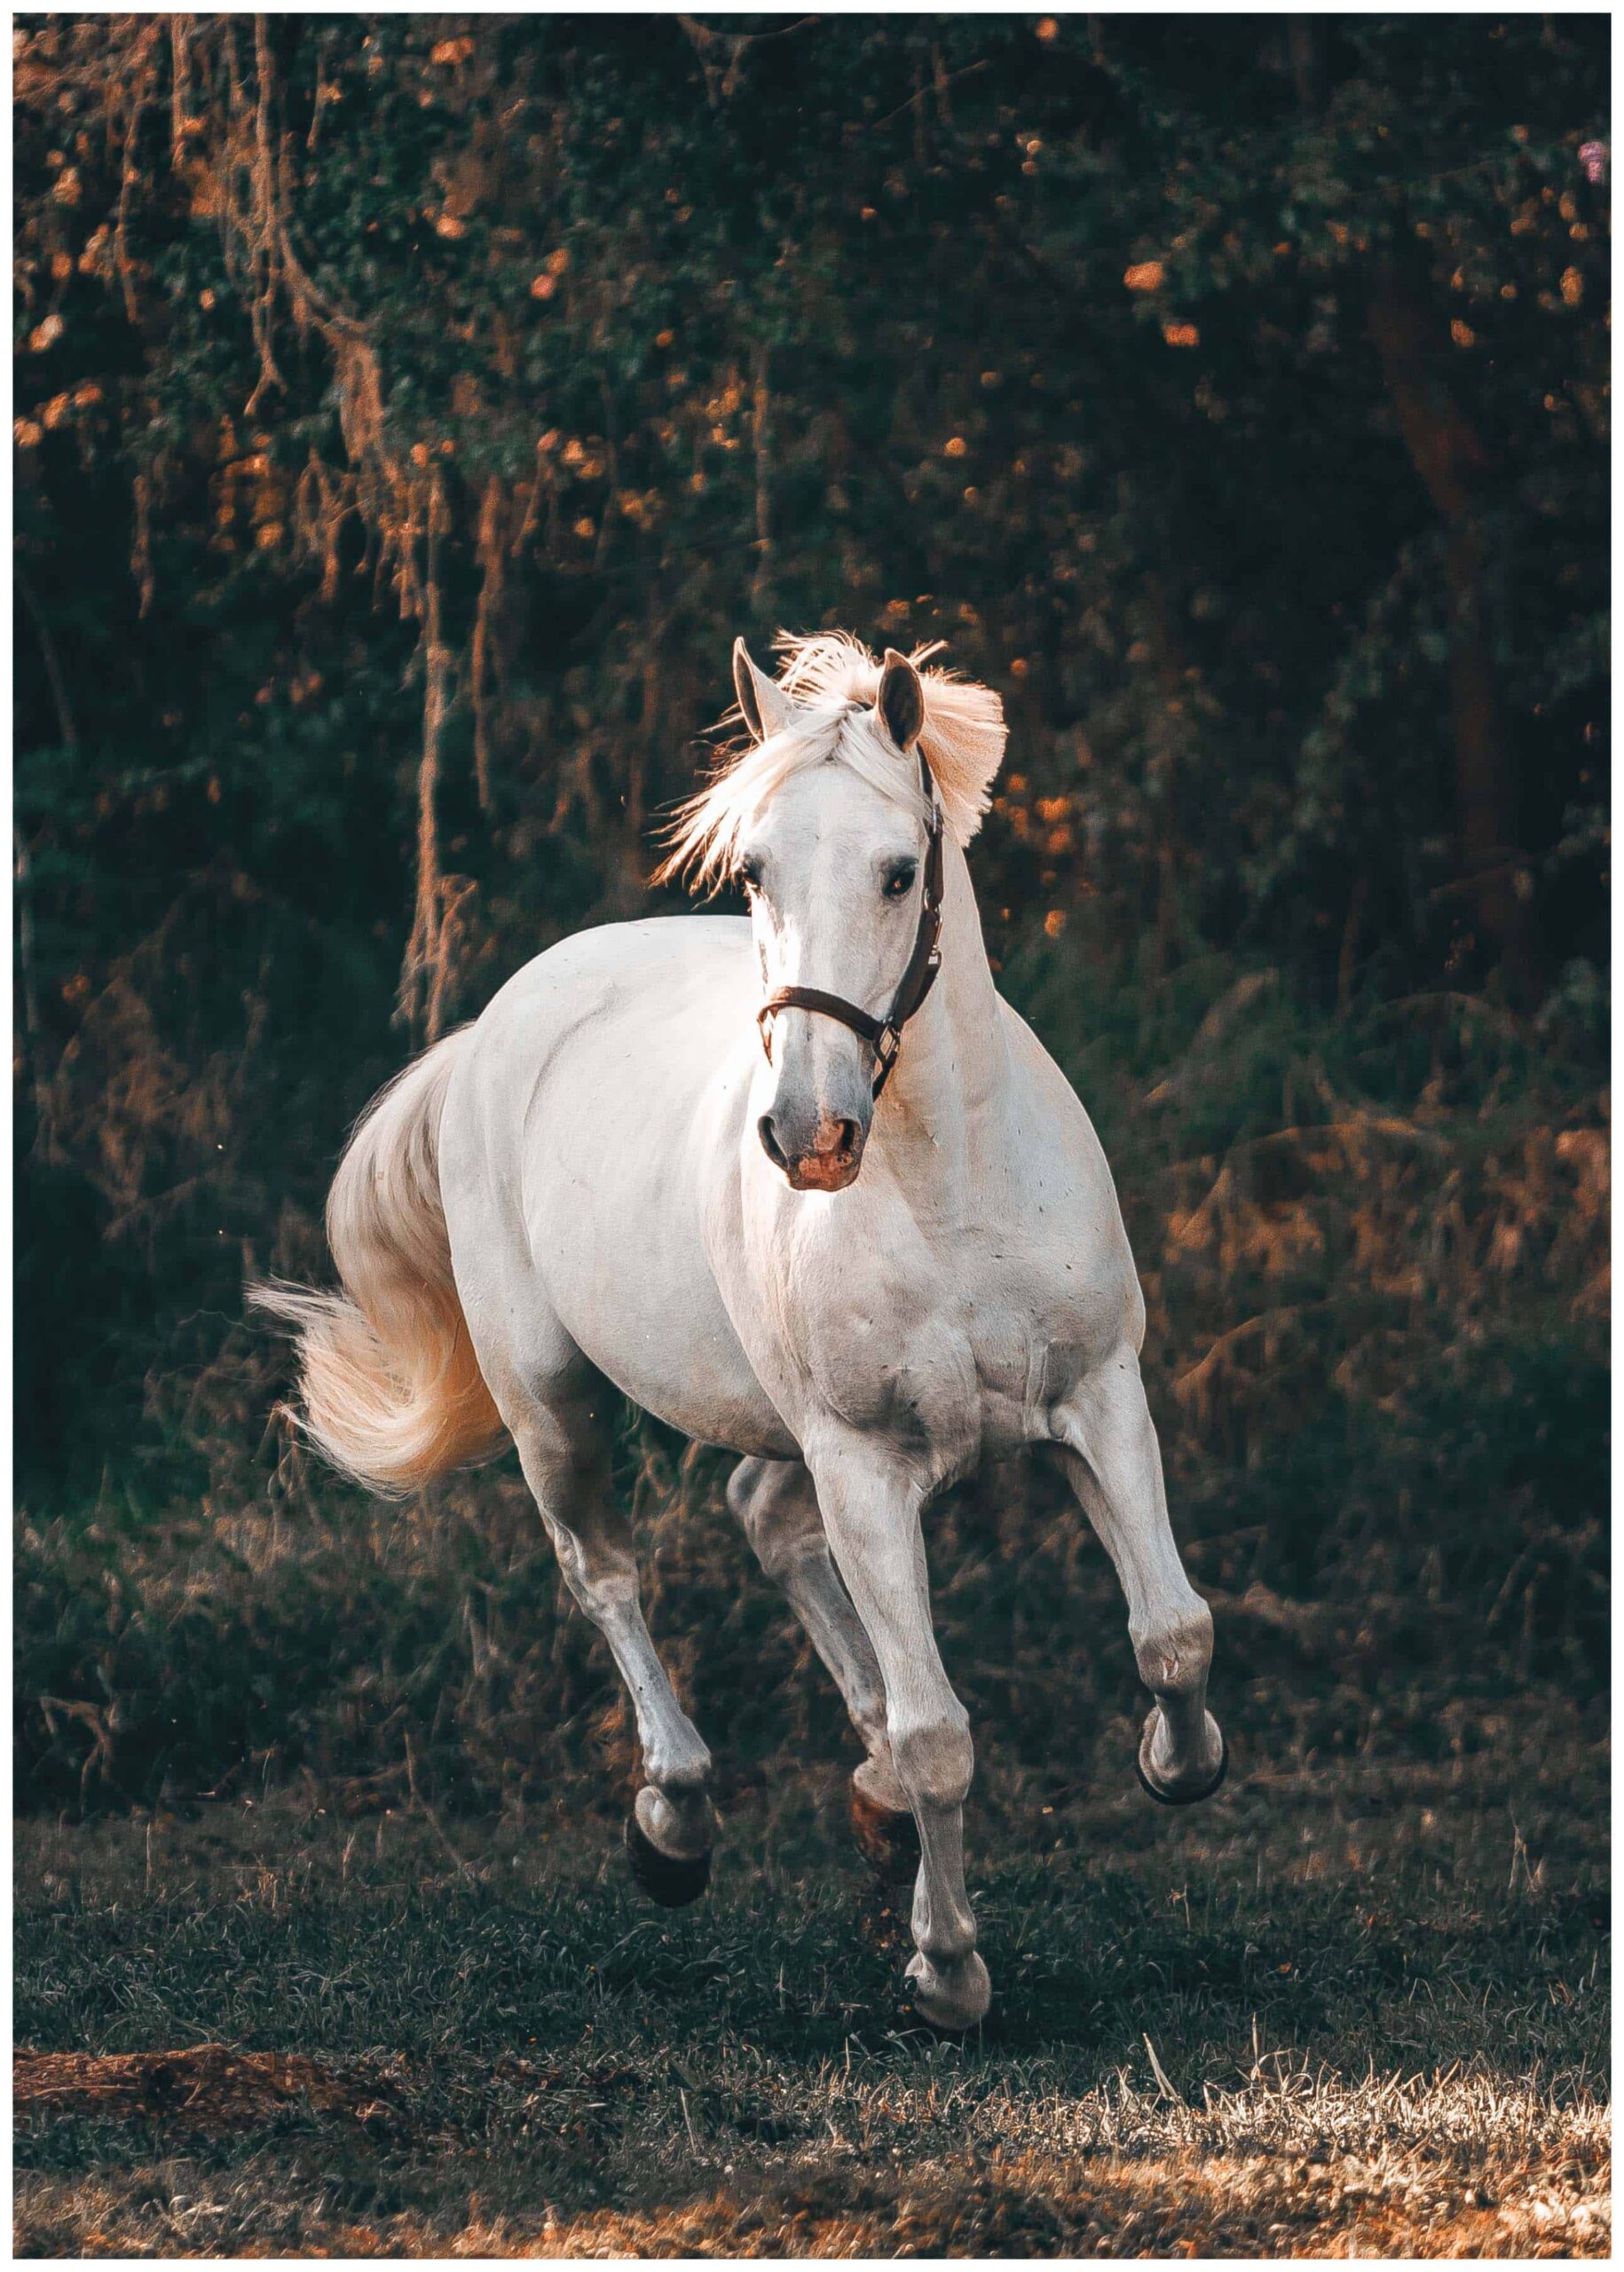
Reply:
x=883 y=1035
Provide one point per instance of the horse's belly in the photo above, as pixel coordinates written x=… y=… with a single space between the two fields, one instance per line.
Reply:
x=710 y=1399
x=660 y=1333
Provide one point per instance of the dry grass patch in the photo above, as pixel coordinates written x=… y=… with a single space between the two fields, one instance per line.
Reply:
x=1461 y=2168
x=205 y=2088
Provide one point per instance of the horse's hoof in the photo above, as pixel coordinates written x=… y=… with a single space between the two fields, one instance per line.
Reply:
x=673 y=1880
x=1175 y=1796
x=887 y=1840
x=953 y=1996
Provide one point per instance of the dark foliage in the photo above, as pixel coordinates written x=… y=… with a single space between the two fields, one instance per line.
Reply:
x=411 y=410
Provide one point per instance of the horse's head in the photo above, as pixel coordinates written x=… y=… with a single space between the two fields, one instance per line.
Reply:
x=827 y=817
x=834 y=866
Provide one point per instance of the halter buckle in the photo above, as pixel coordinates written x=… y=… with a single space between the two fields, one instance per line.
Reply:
x=888 y=1048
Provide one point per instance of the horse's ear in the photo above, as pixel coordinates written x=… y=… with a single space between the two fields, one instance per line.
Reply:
x=762 y=701
x=901 y=701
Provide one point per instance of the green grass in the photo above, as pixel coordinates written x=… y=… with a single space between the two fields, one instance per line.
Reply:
x=1360 y=2007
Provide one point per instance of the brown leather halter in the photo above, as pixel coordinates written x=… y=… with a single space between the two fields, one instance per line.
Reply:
x=883 y=1035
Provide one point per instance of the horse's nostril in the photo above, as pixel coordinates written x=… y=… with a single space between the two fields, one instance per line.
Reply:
x=770 y=1142
x=845 y=1136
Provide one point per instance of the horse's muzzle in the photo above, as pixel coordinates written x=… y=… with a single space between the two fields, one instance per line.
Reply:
x=829 y=1162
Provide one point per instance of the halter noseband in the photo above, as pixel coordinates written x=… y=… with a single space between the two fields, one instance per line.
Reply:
x=883 y=1035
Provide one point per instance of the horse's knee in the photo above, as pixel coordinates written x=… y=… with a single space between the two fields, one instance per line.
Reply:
x=600 y=1569
x=935 y=1759
x=1175 y=1657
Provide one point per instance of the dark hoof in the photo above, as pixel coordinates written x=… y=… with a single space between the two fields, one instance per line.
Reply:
x=672 y=1880
x=887 y=1840
x=1184 y=1798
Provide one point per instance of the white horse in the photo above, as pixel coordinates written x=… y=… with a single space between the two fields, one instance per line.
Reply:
x=607 y=1184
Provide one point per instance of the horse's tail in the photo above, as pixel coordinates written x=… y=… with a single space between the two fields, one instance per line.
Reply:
x=391 y=1390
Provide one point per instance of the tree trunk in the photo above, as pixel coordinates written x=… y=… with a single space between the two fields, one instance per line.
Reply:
x=1447 y=454
x=762 y=435
x=1171 y=912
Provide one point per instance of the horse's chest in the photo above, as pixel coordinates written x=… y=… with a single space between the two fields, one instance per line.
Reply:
x=952 y=1365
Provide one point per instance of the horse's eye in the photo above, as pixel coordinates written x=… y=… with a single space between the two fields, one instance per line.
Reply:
x=750 y=875
x=899 y=879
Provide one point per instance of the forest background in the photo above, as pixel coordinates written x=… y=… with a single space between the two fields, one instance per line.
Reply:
x=410 y=411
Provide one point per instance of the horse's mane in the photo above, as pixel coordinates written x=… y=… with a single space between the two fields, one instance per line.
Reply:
x=824 y=674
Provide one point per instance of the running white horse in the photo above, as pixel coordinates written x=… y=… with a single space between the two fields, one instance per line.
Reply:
x=861 y=1279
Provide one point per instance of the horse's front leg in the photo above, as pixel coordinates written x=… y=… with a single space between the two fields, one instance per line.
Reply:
x=871 y=1505
x=1108 y=1443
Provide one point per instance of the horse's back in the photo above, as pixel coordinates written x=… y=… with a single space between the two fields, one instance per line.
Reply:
x=673 y=965
x=630 y=1018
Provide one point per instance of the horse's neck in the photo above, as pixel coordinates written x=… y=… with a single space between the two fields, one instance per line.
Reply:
x=951 y=1079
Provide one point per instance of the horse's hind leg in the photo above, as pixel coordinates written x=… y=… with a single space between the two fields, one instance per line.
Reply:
x=1111 y=1454
x=776 y=1506
x=564 y=1449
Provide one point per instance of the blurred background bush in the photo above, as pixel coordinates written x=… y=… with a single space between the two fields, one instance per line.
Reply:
x=410 y=411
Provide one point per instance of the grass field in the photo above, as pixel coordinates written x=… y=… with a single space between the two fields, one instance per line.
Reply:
x=1350 y=2009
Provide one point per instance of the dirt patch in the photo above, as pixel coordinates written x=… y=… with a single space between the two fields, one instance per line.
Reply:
x=207 y=2089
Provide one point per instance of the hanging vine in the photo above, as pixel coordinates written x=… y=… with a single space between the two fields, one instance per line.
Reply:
x=228 y=149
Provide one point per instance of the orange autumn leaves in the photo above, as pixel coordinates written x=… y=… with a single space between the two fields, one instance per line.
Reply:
x=1149 y=276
